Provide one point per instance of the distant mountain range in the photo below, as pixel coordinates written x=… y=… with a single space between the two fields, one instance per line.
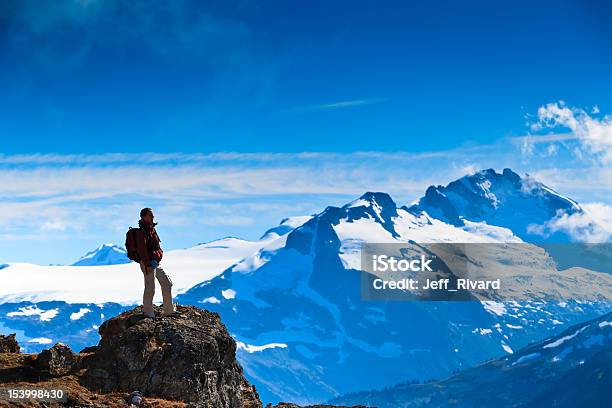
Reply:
x=292 y=298
x=571 y=369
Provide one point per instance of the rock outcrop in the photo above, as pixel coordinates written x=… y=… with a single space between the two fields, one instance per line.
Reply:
x=8 y=344
x=189 y=357
x=58 y=361
x=187 y=360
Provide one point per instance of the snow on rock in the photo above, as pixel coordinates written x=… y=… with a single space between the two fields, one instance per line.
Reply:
x=563 y=339
x=228 y=293
x=286 y=225
x=496 y=308
x=82 y=312
x=44 y=315
x=410 y=226
x=211 y=299
x=40 y=340
x=526 y=358
x=498 y=234
x=254 y=349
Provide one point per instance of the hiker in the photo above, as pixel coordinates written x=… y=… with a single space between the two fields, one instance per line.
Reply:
x=143 y=245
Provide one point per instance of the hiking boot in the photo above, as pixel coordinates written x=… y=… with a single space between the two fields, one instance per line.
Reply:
x=174 y=312
x=150 y=315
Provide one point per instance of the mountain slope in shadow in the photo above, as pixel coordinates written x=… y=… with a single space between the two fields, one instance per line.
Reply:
x=569 y=370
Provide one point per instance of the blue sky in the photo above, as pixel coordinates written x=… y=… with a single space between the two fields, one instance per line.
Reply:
x=170 y=85
x=106 y=76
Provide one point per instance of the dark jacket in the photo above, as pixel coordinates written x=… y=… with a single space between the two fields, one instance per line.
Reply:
x=148 y=244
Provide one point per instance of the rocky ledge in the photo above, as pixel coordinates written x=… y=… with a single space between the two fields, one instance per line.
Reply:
x=188 y=358
x=184 y=360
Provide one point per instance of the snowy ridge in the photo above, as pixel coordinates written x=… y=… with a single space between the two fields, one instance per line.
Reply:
x=302 y=291
x=117 y=282
x=505 y=200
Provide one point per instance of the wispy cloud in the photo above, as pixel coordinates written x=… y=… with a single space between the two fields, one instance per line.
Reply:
x=556 y=137
x=592 y=134
x=336 y=105
x=50 y=196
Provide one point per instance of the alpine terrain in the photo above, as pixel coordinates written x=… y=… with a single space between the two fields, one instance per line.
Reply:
x=292 y=299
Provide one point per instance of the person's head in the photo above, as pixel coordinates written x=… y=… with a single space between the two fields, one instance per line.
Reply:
x=146 y=214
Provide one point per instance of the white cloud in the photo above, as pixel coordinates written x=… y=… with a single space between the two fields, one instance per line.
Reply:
x=53 y=225
x=593 y=134
x=582 y=183
x=593 y=225
x=75 y=197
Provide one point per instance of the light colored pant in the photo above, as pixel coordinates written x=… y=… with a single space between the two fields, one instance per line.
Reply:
x=149 y=290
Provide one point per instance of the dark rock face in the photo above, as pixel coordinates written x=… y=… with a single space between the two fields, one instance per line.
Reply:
x=57 y=361
x=8 y=344
x=189 y=357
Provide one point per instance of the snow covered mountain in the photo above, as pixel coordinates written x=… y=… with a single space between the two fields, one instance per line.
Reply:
x=116 y=283
x=571 y=369
x=105 y=254
x=296 y=308
x=46 y=304
x=292 y=299
x=523 y=205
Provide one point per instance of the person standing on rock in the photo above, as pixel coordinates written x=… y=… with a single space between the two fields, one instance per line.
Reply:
x=143 y=246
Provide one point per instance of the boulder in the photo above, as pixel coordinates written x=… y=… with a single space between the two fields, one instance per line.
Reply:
x=189 y=357
x=57 y=361
x=8 y=344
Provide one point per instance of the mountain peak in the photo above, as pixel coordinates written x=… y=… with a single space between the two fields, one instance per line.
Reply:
x=370 y=198
x=105 y=254
x=286 y=225
x=376 y=205
x=504 y=199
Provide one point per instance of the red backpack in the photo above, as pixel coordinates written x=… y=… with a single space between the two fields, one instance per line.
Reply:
x=130 y=244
